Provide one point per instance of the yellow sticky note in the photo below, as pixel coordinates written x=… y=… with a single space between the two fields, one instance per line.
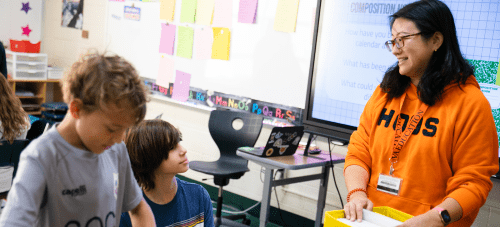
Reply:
x=188 y=10
x=204 y=12
x=185 y=42
x=167 y=9
x=221 y=44
x=286 y=15
x=498 y=74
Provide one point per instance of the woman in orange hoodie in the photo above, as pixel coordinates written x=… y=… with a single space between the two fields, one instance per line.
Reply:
x=426 y=143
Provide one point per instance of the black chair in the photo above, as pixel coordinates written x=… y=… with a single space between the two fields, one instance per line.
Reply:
x=9 y=155
x=229 y=165
x=37 y=128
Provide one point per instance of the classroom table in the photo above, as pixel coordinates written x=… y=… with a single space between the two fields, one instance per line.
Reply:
x=294 y=162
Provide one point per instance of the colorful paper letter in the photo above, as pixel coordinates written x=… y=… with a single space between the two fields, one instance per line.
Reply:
x=223 y=13
x=185 y=42
x=286 y=15
x=205 y=12
x=165 y=72
x=167 y=10
x=188 y=10
x=203 y=39
x=167 y=39
x=181 y=86
x=221 y=45
x=248 y=11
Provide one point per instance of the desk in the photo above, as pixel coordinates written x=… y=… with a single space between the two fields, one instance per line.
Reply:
x=295 y=162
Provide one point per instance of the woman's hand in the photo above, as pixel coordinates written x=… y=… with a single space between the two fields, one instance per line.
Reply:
x=430 y=218
x=354 y=208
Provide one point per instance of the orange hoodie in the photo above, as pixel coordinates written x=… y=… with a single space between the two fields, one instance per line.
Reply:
x=452 y=153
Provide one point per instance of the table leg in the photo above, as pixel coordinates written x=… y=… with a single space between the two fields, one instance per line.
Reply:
x=266 y=197
x=323 y=187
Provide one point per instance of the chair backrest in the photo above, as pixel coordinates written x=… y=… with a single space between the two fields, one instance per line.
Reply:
x=37 y=129
x=227 y=138
x=14 y=150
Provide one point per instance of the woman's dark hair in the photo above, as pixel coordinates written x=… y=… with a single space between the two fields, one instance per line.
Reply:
x=148 y=144
x=446 y=66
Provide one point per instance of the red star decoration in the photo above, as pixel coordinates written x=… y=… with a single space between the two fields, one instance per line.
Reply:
x=26 y=30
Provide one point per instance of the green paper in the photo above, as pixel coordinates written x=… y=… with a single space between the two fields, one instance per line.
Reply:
x=185 y=42
x=498 y=74
x=188 y=11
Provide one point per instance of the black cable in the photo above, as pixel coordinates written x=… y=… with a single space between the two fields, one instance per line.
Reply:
x=276 y=193
x=333 y=174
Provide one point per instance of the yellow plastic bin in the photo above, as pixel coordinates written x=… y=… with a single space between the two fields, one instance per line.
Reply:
x=331 y=216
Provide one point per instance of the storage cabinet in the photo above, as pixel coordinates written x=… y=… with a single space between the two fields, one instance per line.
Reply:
x=33 y=93
x=26 y=66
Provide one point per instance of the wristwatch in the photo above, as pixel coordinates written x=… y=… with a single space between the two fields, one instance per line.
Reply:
x=444 y=215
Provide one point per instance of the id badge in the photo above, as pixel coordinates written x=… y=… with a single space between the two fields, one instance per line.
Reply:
x=389 y=184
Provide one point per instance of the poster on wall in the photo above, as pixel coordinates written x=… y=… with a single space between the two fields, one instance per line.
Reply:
x=72 y=14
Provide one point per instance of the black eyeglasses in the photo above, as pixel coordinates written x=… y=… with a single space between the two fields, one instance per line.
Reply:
x=398 y=41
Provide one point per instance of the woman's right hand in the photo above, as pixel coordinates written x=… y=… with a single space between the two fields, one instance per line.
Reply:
x=354 y=208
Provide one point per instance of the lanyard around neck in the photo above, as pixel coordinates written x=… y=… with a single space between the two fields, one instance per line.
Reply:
x=400 y=137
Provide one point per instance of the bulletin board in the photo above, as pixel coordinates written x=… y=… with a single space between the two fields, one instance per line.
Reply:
x=264 y=64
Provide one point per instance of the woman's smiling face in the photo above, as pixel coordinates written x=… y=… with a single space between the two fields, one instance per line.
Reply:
x=414 y=56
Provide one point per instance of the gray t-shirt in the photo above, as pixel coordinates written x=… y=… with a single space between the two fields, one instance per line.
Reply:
x=60 y=185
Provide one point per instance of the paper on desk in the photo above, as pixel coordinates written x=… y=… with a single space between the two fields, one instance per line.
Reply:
x=185 y=42
x=188 y=10
x=6 y=178
x=223 y=13
x=372 y=219
x=286 y=15
x=167 y=9
x=221 y=44
x=205 y=12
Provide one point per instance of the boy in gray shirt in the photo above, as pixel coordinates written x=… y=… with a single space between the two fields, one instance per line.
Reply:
x=79 y=173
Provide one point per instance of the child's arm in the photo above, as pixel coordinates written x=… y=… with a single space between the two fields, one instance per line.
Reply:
x=26 y=194
x=142 y=215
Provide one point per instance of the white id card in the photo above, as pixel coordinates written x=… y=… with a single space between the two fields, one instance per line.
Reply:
x=389 y=184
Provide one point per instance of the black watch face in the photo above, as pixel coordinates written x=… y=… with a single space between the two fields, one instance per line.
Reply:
x=446 y=216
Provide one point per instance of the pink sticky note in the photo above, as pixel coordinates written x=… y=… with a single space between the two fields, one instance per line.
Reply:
x=167 y=39
x=248 y=11
x=223 y=13
x=203 y=40
x=181 y=86
x=165 y=72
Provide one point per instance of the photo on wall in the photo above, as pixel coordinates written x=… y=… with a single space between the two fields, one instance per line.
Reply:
x=72 y=14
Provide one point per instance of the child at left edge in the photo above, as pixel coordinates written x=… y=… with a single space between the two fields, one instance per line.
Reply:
x=78 y=173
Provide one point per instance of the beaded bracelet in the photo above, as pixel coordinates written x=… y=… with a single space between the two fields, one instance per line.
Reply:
x=356 y=190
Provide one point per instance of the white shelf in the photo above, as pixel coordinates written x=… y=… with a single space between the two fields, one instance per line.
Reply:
x=31 y=70
x=27 y=66
x=26 y=62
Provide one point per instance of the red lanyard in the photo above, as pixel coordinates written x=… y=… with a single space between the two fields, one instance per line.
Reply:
x=400 y=137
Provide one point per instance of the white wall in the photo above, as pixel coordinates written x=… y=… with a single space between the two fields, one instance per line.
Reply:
x=12 y=19
x=65 y=45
